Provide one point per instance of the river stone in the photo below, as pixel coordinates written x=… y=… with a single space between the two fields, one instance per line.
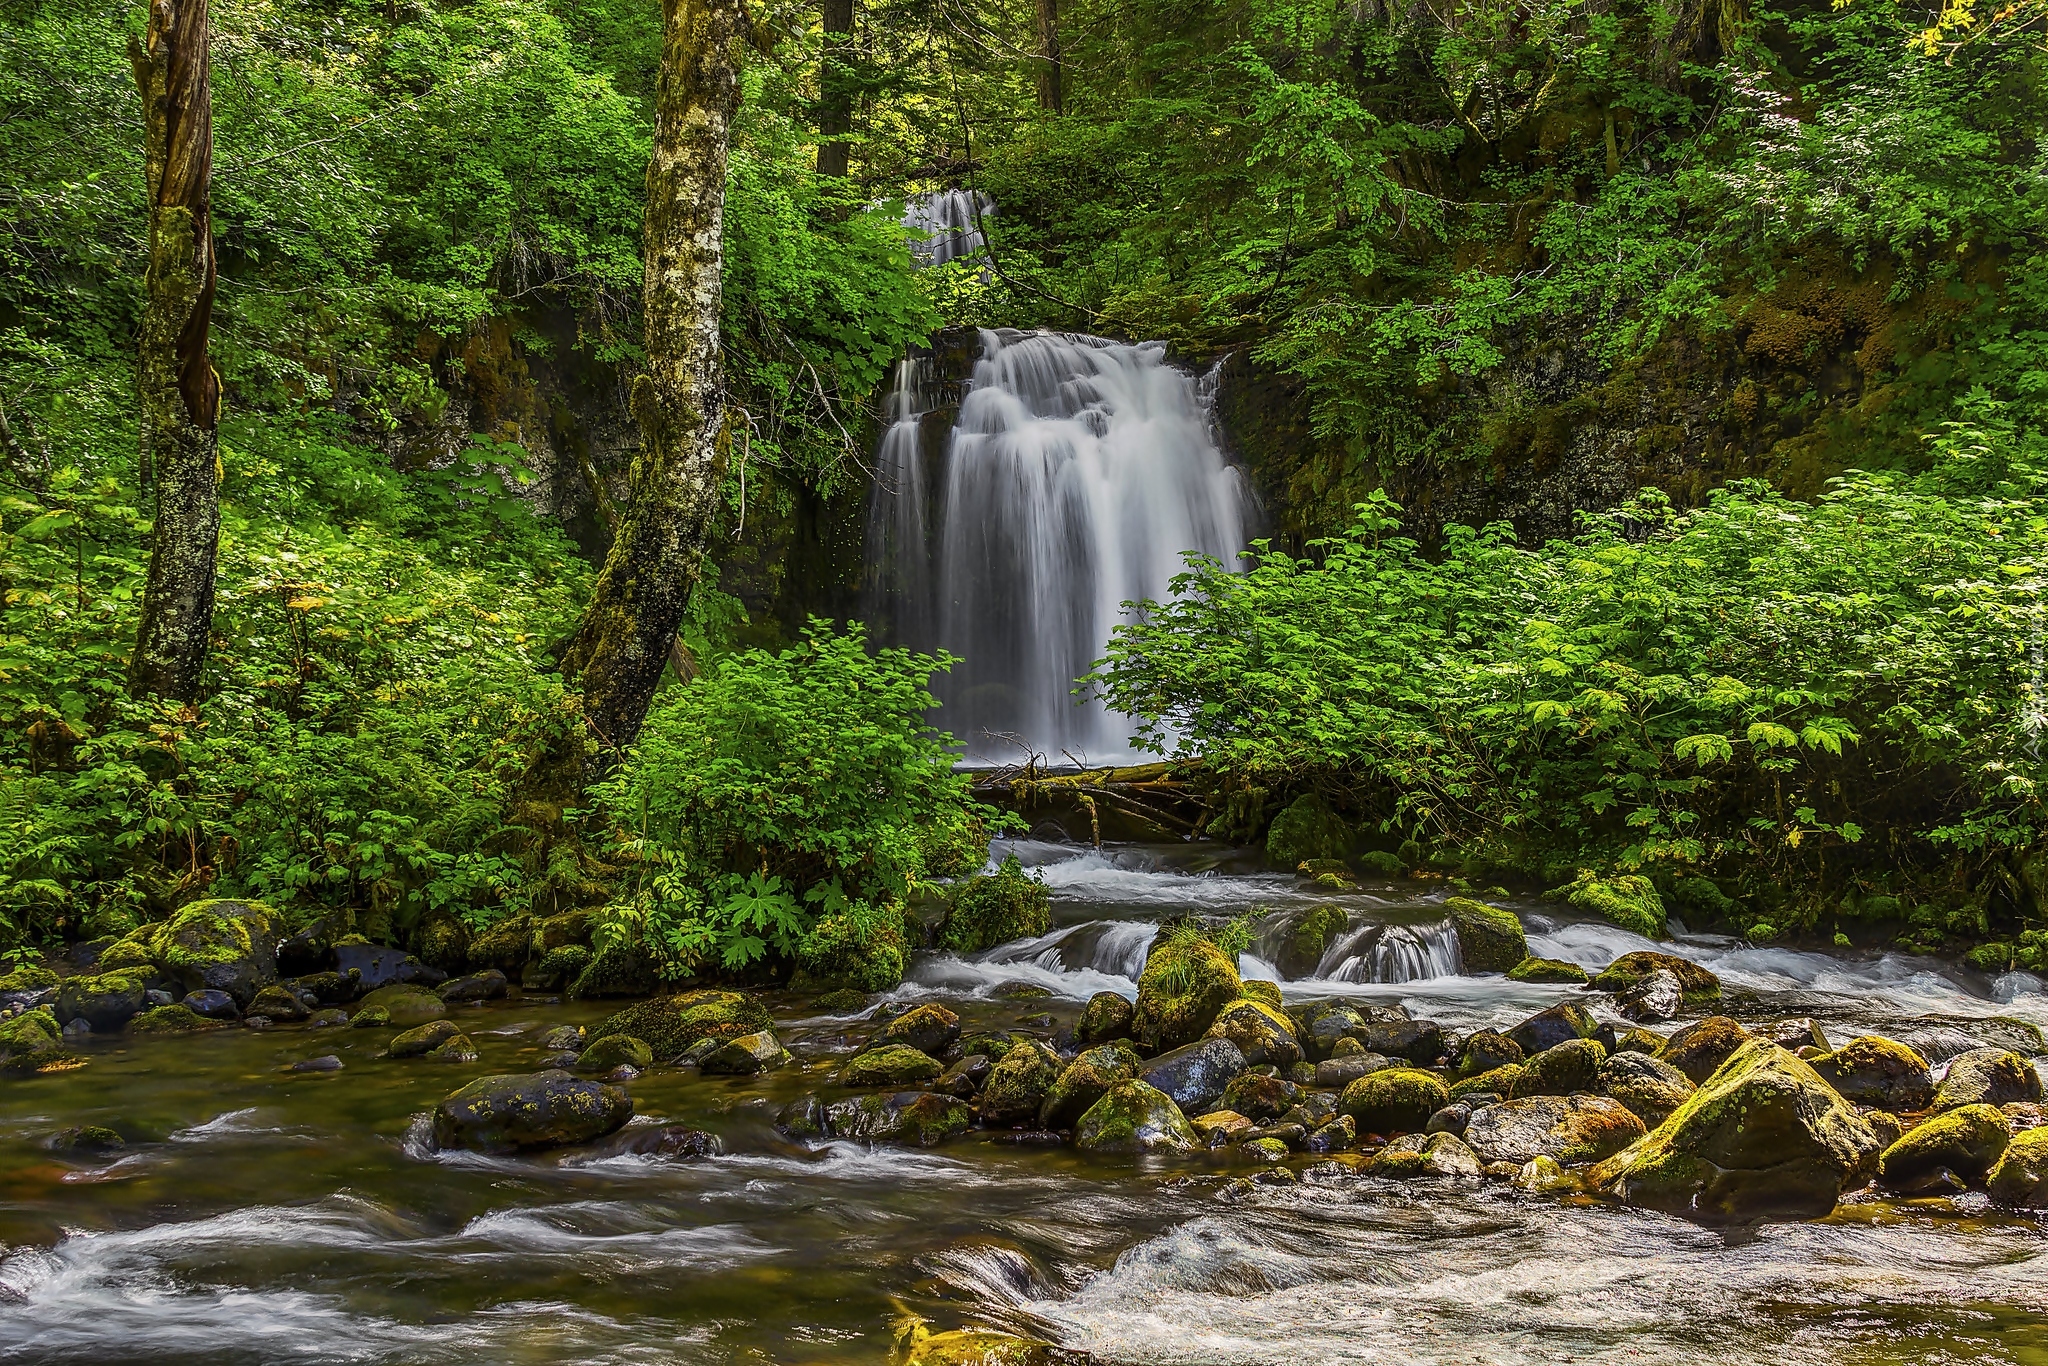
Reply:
x=1547 y=971
x=1650 y=1087
x=488 y=985
x=1987 y=1076
x=1134 y=1118
x=666 y=1140
x=106 y=1003
x=517 y=1112
x=376 y=966
x=1763 y=1138
x=966 y=1077
x=1413 y=1155
x=803 y=1119
x=1106 y=1016
x=563 y=1037
x=278 y=1003
x=1549 y=1028
x=918 y=1118
x=1485 y=1050
x=1262 y=1034
x=1698 y=986
x=1499 y=1083
x=896 y=1065
x=1570 y=1066
x=329 y=988
x=1086 y=1080
x=226 y=944
x=745 y=1056
x=1195 y=1077
x=1656 y=998
x=1335 y=1136
x=1221 y=1127
x=1879 y=1073
x=615 y=1050
x=1938 y=1038
x=174 y=1019
x=1322 y=1025
x=326 y=1062
x=930 y=1029
x=1335 y=1074
x=456 y=1048
x=1699 y=1050
x=1259 y=1096
x=405 y=1005
x=415 y=1042
x=1417 y=1041
x=1267 y=993
x=1451 y=1119
x=1566 y=1129
x=670 y=1024
x=1017 y=1086
x=1967 y=1141
x=1186 y=983
x=1489 y=938
x=1396 y=1100
x=1793 y=1035
x=2020 y=1180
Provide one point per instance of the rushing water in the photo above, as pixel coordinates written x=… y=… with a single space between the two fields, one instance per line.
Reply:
x=265 y=1216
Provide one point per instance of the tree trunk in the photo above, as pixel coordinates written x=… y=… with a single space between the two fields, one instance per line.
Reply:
x=835 y=94
x=623 y=641
x=179 y=391
x=1050 y=95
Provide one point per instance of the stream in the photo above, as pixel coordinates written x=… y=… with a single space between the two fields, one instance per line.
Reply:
x=258 y=1215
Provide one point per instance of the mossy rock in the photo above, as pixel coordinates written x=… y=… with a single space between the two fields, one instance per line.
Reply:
x=1085 y=1080
x=1559 y=1071
x=422 y=1040
x=745 y=1056
x=87 y=1138
x=1417 y=1155
x=30 y=1033
x=1394 y=1100
x=614 y=1051
x=994 y=1047
x=173 y=1019
x=1308 y=939
x=1108 y=1015
x=843 y=1001
x=524 y=1112
x=895 y=1064
x=928 y=1028
x=27 y=978
x=1985 y=1076
x=1135 y=1118
x=107 y=1002
x=1698 y=986
x=1699 y=1050
x=225 y=944
x=370 y=1017
x=1306 y=830
x=1569 y=1130
x=403 y=1005
x=1625 y=899
x=1967 y=1141
x=277 y=1002
x=1877 y=1072
x=670 y=1024
x=564 y=964
x=1489 y=938
x=919 y=1118
x=1500 y=1081
x=1548 y=972
x=619 y=969
x=1265 y=993
x=970 y=1347
x=1186 y=983
x=1261 y=1032
x=505 y=946
x=1018 y=1085
x=1549 y=1028
x=2020 y=1180
x=1651 y=1088
x=1006 y=905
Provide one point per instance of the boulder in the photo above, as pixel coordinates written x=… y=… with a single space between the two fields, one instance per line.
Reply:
x=1017 y=1086
x=172 y=1019
x=1413 y=1155
x=2020 y=1180
x=620 y=967
x=404 y=1005
x=666 y=1141
x=1334 y=1074
x=1567 y=1129
x=1266 y=993
x=1301 y=950
x=1485 y=1050
x=1982 y=1076
x=1499 y=1083
x=1570 y=1066
x=1259 y=1096
x=613 y=1051
x=106 y=1002
x=370 y=1017
x=1793 y=1035
x=898 y=1065
x=1195 y=1076
x=377 y=965
x=278 y=1003
x=455 y=1048
x=488 y=985
x=1765 y=1137
x=1650 y=1087
x=517 y=1112
x=226 y=945
x=1417 y=1041
x=1965 y=1143
x=1699 y=1050
x=1878 y=1073
x=1107 y=1016
x=1186 y=983
x=30 y=1040
x=1548 y=971
x=967 y=1076
x=918 y=1118
x=1656 y=998
x=1698 y=986
x=745 y=1056
x=1219 y=1128
x=930 y=1029
x=1549 y=1028
x=424 y=1039
x=1135 y=1118
x=670 y=1024
x=1087 y=1079
x=328 y=988
x=1262 y=1034
x=26 y=986
x=1489 y=938
x=1396 y=1100
x=1322 y=1025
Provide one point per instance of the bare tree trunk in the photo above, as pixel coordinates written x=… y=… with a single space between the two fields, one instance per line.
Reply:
x=179 y=391
x=623 y=641
x=1050 y=94
x=835 y=96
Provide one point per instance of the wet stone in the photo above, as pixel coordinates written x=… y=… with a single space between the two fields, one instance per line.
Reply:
x=1656 y=998
x=1195 y=1076
x=930 y=1029
x=325 y=1063
x=415 y=1043
x=745 y=1056
x=1987 y=1076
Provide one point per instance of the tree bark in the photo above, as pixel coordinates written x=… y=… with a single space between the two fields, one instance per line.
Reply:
x=1051 y=95
x=178 y=389
x=835 y=94
x=623 y=641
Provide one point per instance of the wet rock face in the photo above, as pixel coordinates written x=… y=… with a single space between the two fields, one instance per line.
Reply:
x=930 y=1029
x=1196 y=1076
x=1565 y=1129
x=1485 y=1050
x=1764 y=1138
x=1700 y=1050
x=1878 y=1073
x=613 y=1051
x=1649 y=1087
x=1134 y=1118
x=1397 y=1100
x=892 y=1065
x=2020 y=1179
x=1549 y=1028
x=1489 y=938
x=105 y=1003
x=1262 y=1034
x=524 y=1112
x=920 y=1119
x=488 y=985
x=1962 y=1145
x=1987 y=1076
x=1107 y=1016
x=1696 y=984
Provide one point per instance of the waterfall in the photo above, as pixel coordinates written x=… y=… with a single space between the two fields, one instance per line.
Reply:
x=947 y=224
x=1077 y=474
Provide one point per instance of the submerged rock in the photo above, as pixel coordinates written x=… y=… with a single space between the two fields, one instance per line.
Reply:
x=2020 y=1180
x=1697 y=986
x=1650 y=1087
x=1262 y=1034
x=1566 y=1129
x=1195 y=1077
x=456 y=1048
x=1548 y=971
x=1987 y=1076
x=87 y=1138
x=1087 y=1079
x=1489 y=938
x=517 y=1112
x=745 y=1056
x=1879 y=1073
x=1967 y=1142
x=1135 y=1118
x=918 y=1118
x=1186 y=983
x=930 y=1029
x=1397 y=1100
x=1107 y=1016
x=424 y=1039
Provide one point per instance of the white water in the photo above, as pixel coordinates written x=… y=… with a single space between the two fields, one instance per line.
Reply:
x=947 y=225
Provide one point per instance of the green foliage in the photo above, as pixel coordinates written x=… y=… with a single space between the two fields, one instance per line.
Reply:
x=1007 y=904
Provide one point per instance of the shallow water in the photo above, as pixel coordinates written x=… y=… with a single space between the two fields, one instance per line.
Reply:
x=261 y=1216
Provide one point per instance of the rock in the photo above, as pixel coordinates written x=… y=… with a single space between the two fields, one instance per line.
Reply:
x=1396 y=1100
x=1489 y=938
x=998 y=908
x=1879 y=1073
x=327 y=1017
x=1699 y=1050
x=225 y=945
x=1793 y=1035
x=1650 y=1087
x=1262 y=1148
x=1499 y=1083
x=405 y=1005
x=1258 y=1096
x=930 y=1029
x=843 y=1001
x=1548 y=971
x=995 y=1047
x=91 y=1139
x=1195 y=1076
x=30 y=1039
x=172 y=1019
x=615 y=1050
x=1335 y=1136
x=327 y=1062
x=622 y=1074
x=1938 y=1038
x=518 y=1112
x=1451 y=1119
x=1087 y=1079
x=1337 y=1073
x=1021 y=991
x=1886 y=1125
x=2020 y=1180
x=1763 y=1138
x=556 y=968
x=803 y=1119
x=1266 y=994
x=1697 y=985
x=1107 y=1016
x=745 y=1056
x=1134 y=1118
x=918 y=1118
x=156 y=998
x=1262 y=1034
x=897 y=1065
x=1301 y=950
x=1221 y=1127
x=484 y=986
x=376 y=965
x=1186 y=983
x=1414 y=1155
x=1307 y=830
x=1567 y=1129
x=970 y=1347
x=424 y=1039
x=1017 y=1086
x=1417 y=1041
x=965 y=1077
x=1985 y=1076
x=328 y=988
x=455 y=1048
x=666 y=1141
x=1486 y=1050
x=1549 y=1028
x=277 y=1003
x=370 y=1017
x=1570 y=1066
x=1966 y=1142
x=1657 y=997
x=561 y=1037
x=669 y=1024
x=621 y=967
x=27 y=986
x=106 y=1003
x=1640 y=1041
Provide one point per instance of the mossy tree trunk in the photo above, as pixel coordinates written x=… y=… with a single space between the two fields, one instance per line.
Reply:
x=179 y=391
x=622 y=643
x=835 y=92
x=1051 y=86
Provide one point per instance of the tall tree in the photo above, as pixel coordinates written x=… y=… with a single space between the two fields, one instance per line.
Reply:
x=620 y=646
x=835 y=93
x=180 y=393
x=1051 y=86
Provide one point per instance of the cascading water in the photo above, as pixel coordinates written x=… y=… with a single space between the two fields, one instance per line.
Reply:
x=947 y=225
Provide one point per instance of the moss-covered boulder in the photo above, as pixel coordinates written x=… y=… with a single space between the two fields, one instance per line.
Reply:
x=670 y=1024
x=1262 y=1034
x=456 y=1048
x=1135 y=1118
x=1186 y=983
x=1322 y=1025
x=1650 y=1087
x=1107 y=1016
x=745 y=1056
x=1005 y=905
x=1699 y=986
x=1499 y=1082
x=614 y=1051
x=1571 y=1066
x=281 y=1004
x=1985 y=1076
x=1966 y=1142
x=1306 y=831
x=2020 y=1180
x=172 y=1019
x=621 y=968
x=24 y=984
x=1569 y=1130
x=228 y=945
x=1629 y=900
x=1699 y=1050
x=402 y=1005
x=865 y=947
x=1265 y=993
x=519 y=1112
x=928 y=1028
x=920 y=1119
x=556 y=968
x=1763 y=1138
x=1548 y=972
x=1418 y=1155
x=1489 y=938
x=30 y=1032
x=1258 y=1096
x=1486 y=1049
x=106 y=1002
x=894 y=1065
x=1018 y=1085
x=1308 y=937
x=504 y=946
x=1394 y=1100
x=1549 y=1028
x=1085 y=1080
x=1880 y=1073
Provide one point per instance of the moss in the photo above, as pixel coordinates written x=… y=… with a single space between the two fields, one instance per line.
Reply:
x=1306 y=830
x=28 y=977
x=1085 y=1080
x=1968 y=1141
x=1187 y=981
x=2021 y=1177
x=1561 y=1070
x=670 y=1024
x=1487 y=1049
x=1700 y=1050
x=1261 y=1032
x=1008 y=904
x=1108 y=1015
x=422 y=1039
x=891 y=1065
x=1133 y=1117
x=209 y=934
x=172 y=1019
x=1489 y=939
x=128 y=953
x=843 y=1001
x=616 y=970
x=505 y=945
x=1627 y=899
x=32 y=1031
x=1548 y=971
x=1311 y=936
x=1500 y=1081
x=1394 y=1100
x=615 y=1050
x=1380 y=861
x=1878 y=1072
x=1265 y=993
x=1017 y=1086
